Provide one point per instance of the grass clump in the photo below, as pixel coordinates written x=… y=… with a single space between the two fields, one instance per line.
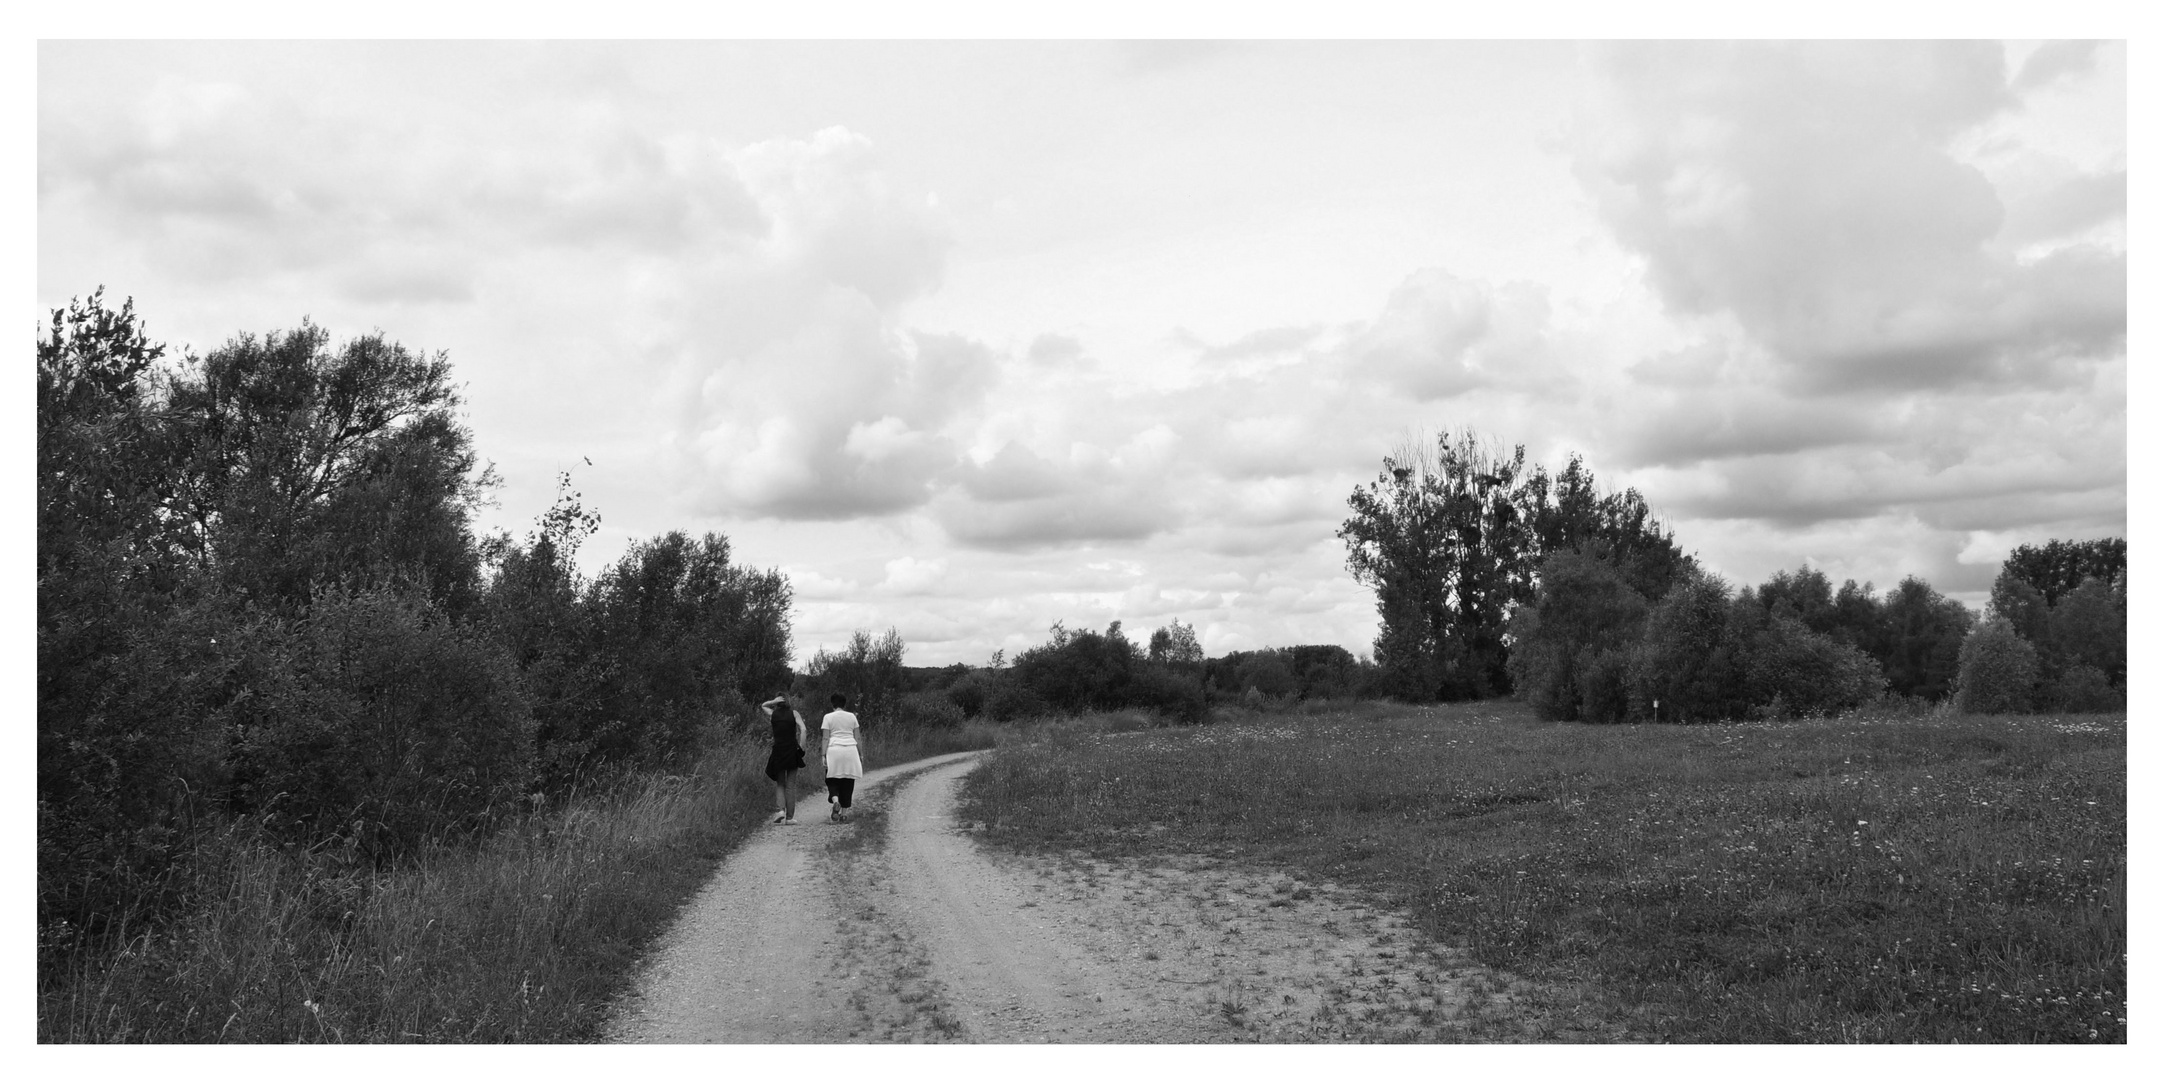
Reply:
x=1874 y=878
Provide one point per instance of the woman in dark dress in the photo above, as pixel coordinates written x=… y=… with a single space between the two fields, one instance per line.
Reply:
x=787 y=755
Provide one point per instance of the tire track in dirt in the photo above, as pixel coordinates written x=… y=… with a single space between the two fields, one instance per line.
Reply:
x=1010 y=972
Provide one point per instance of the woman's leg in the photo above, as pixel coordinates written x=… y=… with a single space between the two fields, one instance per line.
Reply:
x=787 y=801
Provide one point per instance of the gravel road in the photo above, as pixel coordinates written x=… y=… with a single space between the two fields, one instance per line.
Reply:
x=899 y=927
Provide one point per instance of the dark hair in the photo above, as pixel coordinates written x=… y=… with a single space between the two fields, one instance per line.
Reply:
x=839 y=701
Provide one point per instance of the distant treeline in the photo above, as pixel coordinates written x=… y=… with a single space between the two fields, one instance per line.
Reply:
x=260 y=596
x=1080 y=670
x=1498 y=578
x=1492 y=577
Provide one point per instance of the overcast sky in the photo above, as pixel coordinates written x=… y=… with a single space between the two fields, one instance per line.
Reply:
x=970 y=337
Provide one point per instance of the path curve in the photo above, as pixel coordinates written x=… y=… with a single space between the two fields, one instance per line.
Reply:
x=899 y=927
x=732 y=968
x=1011 y=972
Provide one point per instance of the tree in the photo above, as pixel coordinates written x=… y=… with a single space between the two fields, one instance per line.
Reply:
x=1452 y=537
x=2059 y=566
x=1570 y=511
x=683 y=638
x=128 y=735
x=1802 y=594
x=1858 y=619
x=868 y=670
x=1792 y=671
x=2090 y=626
x=1076 y=671
x=1441 y=539
x=1685 y=670
x=2077 y=625
x=1583 y=610
x=310 y=465
x=1997 y=670
x=1926 y=631
x=1175 y=644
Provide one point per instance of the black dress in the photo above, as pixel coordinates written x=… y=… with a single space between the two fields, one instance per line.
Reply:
x=787 y=754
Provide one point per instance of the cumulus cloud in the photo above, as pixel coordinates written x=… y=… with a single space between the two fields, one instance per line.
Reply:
x=1053 y=349
x=1272 y=341
x=1813 y=192
x=1021 y=499
x=1441 y=336
x=2053 y=62
x=804 y=396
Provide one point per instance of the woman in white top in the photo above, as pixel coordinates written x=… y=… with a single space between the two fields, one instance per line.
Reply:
x=843 y=756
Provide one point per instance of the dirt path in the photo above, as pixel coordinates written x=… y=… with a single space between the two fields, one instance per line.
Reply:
x=899 y=927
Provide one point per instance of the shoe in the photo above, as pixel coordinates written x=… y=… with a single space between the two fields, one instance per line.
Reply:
x=778 y=818
x=785 y=821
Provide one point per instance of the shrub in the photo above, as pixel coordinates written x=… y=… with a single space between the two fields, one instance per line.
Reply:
x=927 y=709
x=1684 y=670
x=1076 y=671
x=1601 y=675
x=2090 y=627
x=969 y=693
x=392 y=724
x=1922 y=632
x=1167 y=693
x=1997 y=670
x=1010 y=699
x=1583 y=610
x=2081 y=688
x=1806 y=673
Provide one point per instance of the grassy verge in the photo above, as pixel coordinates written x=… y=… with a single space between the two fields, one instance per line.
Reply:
x=1871 y=879
x=521 y=937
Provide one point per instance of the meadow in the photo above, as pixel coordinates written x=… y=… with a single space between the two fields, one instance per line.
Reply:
x=524 y=936
x=1880 y=877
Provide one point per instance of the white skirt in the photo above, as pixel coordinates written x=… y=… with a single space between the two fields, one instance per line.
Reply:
x=842 y=763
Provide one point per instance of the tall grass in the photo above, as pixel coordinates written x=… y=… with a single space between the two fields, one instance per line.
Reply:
x=1876 y=878
x=524 y=936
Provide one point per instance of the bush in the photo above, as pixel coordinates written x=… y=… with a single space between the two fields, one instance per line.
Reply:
x=2090 y=627
x=1684 y=671
x=1601 y=675
x=391 y=724
x=1167 y=693
x=2083 y=689
x=1010 y=699
x=1806 y=673
x=1079 y=670
x=1583 y=611
x=1997 y=670
x=970 y=693
x=927 y=709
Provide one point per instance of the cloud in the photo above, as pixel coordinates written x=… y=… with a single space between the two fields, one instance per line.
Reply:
x=1022 y=500
x=2067 y=205
x=1441 y=336
x=1812 y=192
x=2054 y=62
x=1012 y=474
x=1053 y=349
x=908 y=575
x=1719 y=424
x=1272 y=341
x=800 y=394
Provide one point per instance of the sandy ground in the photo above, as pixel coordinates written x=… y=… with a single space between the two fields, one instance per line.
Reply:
x=899 y=927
